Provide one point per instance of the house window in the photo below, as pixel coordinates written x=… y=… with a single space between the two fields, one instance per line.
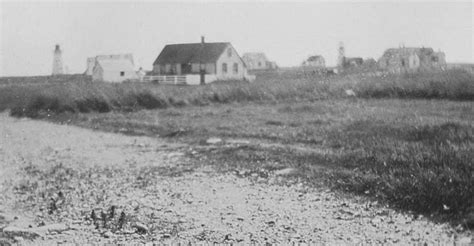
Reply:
x=434 y=59
x=224 y=67
x=122 y=73
x=229 y=52
x=259 y=64
x=236 y=68
x=403 y=63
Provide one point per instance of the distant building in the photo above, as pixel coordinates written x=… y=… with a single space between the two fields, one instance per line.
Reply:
x=91 y=61
x=258 y=61
x=141 y=74
x=353 y=62
x=344 y=62
x=315 y=61
x=58 y=68
x=370 y=62
x=114 y=70
x=368 y=65
x=411 y=60
x=219 y=61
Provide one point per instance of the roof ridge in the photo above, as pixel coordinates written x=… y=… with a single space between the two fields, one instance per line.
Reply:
x=200 y=43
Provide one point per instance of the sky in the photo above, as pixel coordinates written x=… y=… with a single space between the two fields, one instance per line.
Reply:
x=286 y=32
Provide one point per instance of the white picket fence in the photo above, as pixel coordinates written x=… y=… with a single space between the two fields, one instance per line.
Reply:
x=190 y=79
x=174 y=80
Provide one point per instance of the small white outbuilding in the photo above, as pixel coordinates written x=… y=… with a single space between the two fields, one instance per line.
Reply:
x=114 y=70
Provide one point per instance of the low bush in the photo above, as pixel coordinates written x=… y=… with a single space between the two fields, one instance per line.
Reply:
x=93 y=104
x=149 y=101
x=40 y=105
x=177 y=103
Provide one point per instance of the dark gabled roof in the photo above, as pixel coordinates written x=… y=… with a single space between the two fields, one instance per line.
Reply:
x=356 y=59
x=405 y=51
x=314 y=58
x=190 y=53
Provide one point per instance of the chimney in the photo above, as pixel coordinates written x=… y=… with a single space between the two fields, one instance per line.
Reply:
x=202 y=39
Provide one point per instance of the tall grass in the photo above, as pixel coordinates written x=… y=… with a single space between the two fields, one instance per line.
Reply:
x=414 y=154
x=424 y=169
x=82 y=95
x=453 y=84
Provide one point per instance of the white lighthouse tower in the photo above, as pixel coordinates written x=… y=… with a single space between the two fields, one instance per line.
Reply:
x=341 y=57
x=57 y=61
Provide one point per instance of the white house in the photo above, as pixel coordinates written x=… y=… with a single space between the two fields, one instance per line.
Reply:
x=115 y=70
x=412 y=59
x=92 y=60
x=258 y=61
x=199 y=63
x=315 y=61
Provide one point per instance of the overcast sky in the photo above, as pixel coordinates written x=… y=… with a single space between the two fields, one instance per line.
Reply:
x=286 y=32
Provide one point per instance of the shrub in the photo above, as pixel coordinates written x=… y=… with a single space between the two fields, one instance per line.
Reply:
x=92 y=105
x=148 y=101
x=41 y=104
x=177 y=103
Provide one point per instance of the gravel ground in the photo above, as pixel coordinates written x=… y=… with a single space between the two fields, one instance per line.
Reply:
x=166 y=199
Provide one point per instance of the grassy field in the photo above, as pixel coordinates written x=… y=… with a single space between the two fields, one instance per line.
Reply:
x=405 y=140
x=414 y=154
x=49 y=95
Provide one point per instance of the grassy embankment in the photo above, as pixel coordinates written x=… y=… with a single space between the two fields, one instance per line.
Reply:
x=79 y=94
x=415 y=154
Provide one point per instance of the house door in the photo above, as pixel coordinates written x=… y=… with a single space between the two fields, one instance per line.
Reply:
x=185 y=68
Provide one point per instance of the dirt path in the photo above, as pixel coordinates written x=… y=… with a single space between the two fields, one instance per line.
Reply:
x=167 y=200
